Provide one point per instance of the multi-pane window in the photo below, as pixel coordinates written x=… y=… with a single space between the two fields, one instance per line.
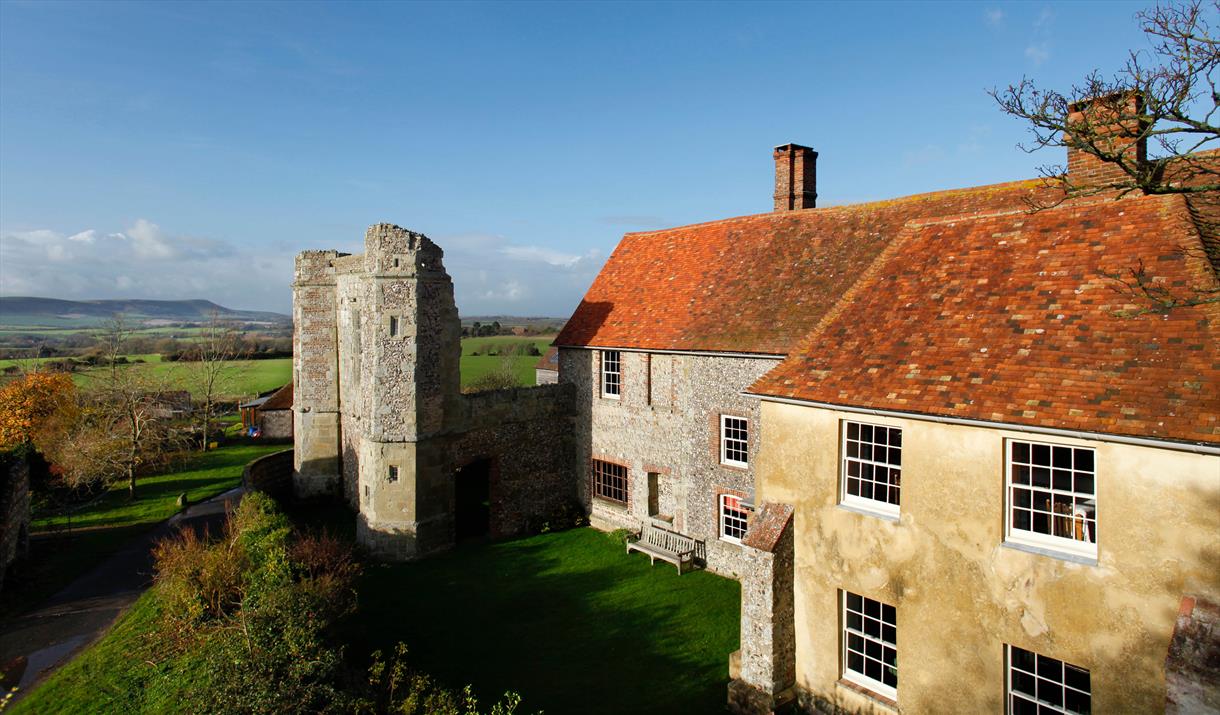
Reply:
x=733 y=518
x=1038 y=685
x=1052 y=496
x=872 y=466
x=870 y=651
x=610 y=481
x=734 y=441
x=612 y=373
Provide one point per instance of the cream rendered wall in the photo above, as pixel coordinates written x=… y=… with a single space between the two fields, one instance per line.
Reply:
x=960 y=594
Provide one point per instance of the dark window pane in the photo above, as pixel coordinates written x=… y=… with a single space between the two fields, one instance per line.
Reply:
x=1050 y=692
x=896 y=438
x=1062 y=479
x=872 y=669
x=872 y=608
x=853 y=469
x=1084 y=460
x=873 y=649
x=855 y=662
x=853 y=601
x=853 y=449
x=1062 y=458
x=1020 y=706
x=889 y=634
x=866 y=433
x=1023 y=683
x=894 y=496
x=1042 y=523
x=1076 y=677
x=1076 y=702
x=853 y=620
x=853 y=430
x=891 y=677
x=853 y=487
x=1020 y=519
x=1020 y=475
x=872 y=628
x=855 y=642
x=868 y=471
x=1084 y=483
x=866 y=451
x=1050 y=668
x=1020 y=498
x=879 y=435
x=1042 y=477
x=895 y=456
x=888 y=614
x=1041 y=454
x=890 y=657
x=1022 y=659
x=1020 y=452
x=866 y=490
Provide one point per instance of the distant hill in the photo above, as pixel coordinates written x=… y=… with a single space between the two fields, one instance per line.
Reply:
x=53 y=312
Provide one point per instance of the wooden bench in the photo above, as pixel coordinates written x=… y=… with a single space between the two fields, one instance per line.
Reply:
x=662 y=544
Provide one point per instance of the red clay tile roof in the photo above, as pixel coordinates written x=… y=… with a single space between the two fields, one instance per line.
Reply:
x=1012 y=318
x=281 y=399
x=754 y=284
x=549 y=360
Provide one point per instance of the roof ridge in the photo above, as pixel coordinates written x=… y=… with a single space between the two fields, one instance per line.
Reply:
x=1031 y=183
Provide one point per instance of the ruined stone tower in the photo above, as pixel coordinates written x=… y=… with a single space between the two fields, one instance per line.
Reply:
x=377 y=356
x=380 y=418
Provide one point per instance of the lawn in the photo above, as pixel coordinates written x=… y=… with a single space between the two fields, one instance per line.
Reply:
x=566 y=619
x=475 y=366
x=248 y=377
x=55 y=562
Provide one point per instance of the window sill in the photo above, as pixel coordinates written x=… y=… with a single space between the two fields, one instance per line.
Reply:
x=735 y=467
x=1043 y=551
x=863 y=511
x=609 y=504
x=873 y=695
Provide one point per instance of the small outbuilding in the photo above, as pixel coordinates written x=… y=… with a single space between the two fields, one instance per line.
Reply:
x=270 y=414
x=546 y=370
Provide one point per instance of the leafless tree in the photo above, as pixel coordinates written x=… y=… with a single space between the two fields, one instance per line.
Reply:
x=123 y=426
x=1164 y=97
x=213 y=369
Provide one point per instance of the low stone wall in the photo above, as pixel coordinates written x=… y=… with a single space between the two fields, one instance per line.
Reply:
x=271 y=474
x=14 y=511
x=529 y=435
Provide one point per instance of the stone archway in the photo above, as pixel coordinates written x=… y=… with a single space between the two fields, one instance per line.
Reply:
x=472 y=500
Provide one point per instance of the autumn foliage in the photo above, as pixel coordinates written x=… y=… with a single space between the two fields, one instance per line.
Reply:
x=27 y=403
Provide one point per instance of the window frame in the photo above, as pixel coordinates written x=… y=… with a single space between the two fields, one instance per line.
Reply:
x=723 y=505
x=1009 y=665
x=724 y=440
x=626 y=477
x=845 y=671
x=618 y=375
x=874 y=506
x=1060 y=545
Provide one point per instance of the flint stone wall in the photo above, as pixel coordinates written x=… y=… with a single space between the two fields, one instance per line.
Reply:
x=667 y=422
x=14 y=512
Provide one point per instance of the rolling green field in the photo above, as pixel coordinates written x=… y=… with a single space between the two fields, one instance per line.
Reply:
x=475 y=366
x=249 y=377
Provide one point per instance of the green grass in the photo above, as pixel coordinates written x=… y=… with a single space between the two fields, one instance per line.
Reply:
x=567 y=620
x=470 y=345
x=475 y=366
x=105 y=677
x=54 y=562
x=248 y=378
x=203 y=476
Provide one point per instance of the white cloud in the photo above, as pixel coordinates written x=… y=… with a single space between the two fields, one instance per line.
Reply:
x=491 y=274
x=993 y=16
x=142 y=261
x=1038 y=53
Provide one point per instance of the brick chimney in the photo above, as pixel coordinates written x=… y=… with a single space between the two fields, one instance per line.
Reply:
x=1115 y=120
x=796 y=185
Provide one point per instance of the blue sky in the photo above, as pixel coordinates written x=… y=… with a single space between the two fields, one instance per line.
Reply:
x=176 y=150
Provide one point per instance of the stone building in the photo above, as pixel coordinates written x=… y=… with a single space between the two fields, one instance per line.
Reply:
x=935 y=443
x=380 y=418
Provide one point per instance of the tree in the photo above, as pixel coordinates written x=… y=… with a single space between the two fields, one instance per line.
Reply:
x=1165 y=97
x=212 y=369
x=123 y=424
x=28 y=403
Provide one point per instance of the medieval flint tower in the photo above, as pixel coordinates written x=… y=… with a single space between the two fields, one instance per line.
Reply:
x=376 y=363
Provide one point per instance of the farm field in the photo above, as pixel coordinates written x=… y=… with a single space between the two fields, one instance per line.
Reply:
x=476 y=366
x=251 y=377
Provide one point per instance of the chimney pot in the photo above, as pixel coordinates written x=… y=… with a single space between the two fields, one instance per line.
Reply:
x=795 y=177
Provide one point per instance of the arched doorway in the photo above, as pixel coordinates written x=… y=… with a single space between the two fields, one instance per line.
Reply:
x=472 y=500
